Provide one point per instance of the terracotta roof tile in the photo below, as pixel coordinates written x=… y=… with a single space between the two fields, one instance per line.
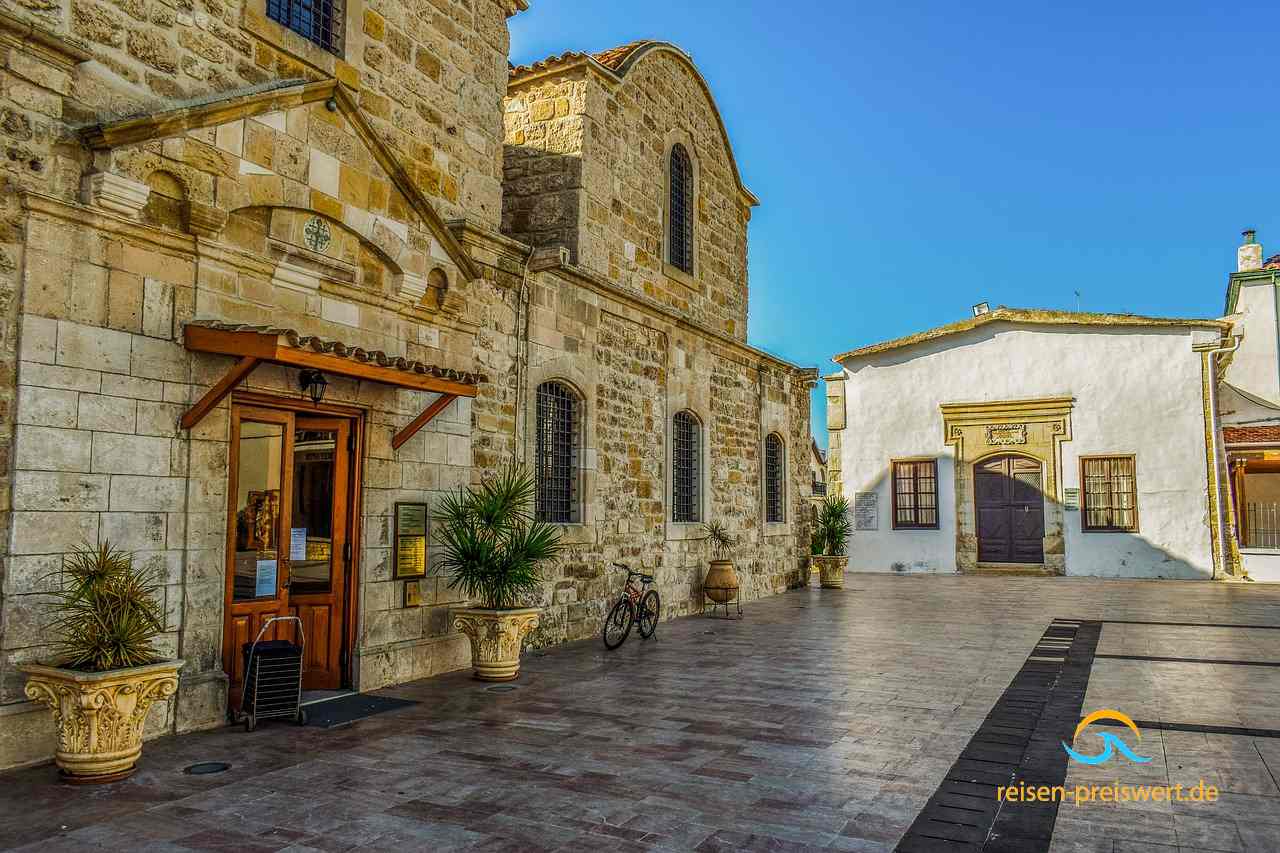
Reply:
x=613 y=58
x=1251 y=434
x=338 y=348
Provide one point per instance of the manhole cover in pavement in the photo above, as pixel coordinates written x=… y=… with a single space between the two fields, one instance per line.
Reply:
x=205 y=768
x=501 y=688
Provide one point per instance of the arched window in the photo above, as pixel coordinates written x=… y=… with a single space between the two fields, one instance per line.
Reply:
x=773 y=471
x=680 y=225
x=686 y=468
x=559 y=430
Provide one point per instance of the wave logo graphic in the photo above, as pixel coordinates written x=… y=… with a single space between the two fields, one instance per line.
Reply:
x=1111 y=743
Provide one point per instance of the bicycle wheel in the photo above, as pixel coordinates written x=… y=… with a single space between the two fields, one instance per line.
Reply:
x=618 y=624
x=650 y=613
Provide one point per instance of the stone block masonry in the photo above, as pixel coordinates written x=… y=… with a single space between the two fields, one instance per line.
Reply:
x=365 y=206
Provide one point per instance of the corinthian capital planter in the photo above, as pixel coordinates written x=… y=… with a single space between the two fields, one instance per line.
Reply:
x=99 y=716
x=495 y=637
x=831 y=570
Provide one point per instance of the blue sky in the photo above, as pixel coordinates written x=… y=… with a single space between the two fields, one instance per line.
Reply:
x=914 y=158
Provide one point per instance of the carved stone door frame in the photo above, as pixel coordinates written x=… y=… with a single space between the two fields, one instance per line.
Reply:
x=1035 y=428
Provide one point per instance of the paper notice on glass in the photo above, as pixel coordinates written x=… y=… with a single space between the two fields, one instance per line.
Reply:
x=297 y=543
x=265 y=587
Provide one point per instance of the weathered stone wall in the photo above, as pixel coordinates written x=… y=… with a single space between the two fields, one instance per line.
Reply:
x=542 y=183
x=587 y=154
x=103 y=377
x=429 y=77
x=635 y=366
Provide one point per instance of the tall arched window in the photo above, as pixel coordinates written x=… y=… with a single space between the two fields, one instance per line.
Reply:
x=773 y=471
x=686 y=468
x=556 y=468
x=680 y=226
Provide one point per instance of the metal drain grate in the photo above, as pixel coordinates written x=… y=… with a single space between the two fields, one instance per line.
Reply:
x=206 y=768
x=501 y=688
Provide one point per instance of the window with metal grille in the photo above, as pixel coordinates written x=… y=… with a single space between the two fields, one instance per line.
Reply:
x=773 y=467
x=319 y=21
x=915 y=495
x=680 y=228
x=559 y=429
x=1110 y=500
x=686 y=468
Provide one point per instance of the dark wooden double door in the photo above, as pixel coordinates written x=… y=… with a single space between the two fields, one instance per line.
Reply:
x=289 y=537
x=1010 y=508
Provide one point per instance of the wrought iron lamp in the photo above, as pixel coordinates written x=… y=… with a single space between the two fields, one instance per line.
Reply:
x=313 y=384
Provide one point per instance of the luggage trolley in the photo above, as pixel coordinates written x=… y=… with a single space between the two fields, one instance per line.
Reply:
x=272 y=678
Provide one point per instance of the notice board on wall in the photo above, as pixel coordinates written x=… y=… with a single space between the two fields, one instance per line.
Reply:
x=410 y=551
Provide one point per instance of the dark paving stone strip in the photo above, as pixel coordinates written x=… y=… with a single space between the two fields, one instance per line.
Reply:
x=1203 y=728
x=1217 y=661
x=1018 y=743
x=1190 y=624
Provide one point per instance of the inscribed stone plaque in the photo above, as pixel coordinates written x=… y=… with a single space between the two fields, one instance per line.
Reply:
x=411 y=540
x=866 y=511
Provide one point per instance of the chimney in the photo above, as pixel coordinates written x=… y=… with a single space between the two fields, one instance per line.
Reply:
x=1249 y=255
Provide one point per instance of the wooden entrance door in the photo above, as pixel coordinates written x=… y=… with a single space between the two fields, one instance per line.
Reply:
x=288 y=537
x=1010 y=509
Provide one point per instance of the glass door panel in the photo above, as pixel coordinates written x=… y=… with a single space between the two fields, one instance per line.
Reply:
x=257 y=511
x=311 y=537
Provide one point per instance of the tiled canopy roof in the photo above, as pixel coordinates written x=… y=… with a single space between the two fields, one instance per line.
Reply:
x=341 y=350
x=1251 y=434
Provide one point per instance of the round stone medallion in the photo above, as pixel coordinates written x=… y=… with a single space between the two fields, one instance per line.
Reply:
x=316 y=235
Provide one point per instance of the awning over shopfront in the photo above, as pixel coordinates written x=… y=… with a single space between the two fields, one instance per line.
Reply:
x=254 y=345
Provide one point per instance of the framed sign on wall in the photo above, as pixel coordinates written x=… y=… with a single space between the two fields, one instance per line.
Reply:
x=410 y=552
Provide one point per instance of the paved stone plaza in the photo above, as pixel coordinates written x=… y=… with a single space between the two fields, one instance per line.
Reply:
x=825 y=719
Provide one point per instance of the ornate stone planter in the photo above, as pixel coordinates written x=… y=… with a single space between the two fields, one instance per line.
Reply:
x=99 y=716
x=495 y=637
x=831 y=570
x=721 y=583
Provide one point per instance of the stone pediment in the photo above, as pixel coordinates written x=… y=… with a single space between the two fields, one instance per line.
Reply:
x=295 y=146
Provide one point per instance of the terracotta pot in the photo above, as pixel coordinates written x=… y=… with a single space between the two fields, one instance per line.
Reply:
x=831 y=570
x=721 y=583
x=495 y=637
x=99 y=716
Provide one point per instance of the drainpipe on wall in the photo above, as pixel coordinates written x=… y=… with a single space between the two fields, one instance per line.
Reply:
x=1225 y=531
x=521 y=334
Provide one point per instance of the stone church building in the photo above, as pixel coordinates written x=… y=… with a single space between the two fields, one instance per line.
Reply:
x=275 y=275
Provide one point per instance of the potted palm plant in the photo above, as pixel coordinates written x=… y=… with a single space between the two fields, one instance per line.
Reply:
x=492 y=547
x=830 y=541
x=721 y=582
x=108 y=673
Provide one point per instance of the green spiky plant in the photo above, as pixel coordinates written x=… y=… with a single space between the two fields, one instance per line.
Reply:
x=834 y=527
x=722 y=544
x=107 y=611
x=492 y=544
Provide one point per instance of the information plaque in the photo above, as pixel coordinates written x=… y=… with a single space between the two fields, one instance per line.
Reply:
x=410 y=540
x=866 y=511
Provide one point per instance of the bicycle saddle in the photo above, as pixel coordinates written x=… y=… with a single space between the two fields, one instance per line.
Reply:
x=647 y=578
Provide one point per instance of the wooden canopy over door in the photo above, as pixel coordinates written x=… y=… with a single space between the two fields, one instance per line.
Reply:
x=1010 y=509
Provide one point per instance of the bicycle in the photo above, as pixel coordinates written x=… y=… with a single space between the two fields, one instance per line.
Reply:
x=632 y=604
